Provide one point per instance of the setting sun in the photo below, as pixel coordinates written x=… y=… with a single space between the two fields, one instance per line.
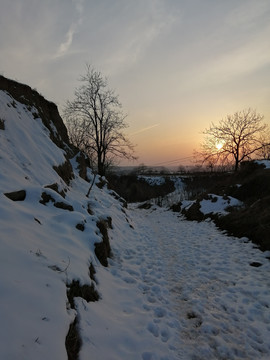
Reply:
x=219 y=146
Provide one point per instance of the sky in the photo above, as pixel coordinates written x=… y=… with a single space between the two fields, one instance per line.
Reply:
x=177 y=65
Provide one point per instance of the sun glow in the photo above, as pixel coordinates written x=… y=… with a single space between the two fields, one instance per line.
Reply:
x=219 y=146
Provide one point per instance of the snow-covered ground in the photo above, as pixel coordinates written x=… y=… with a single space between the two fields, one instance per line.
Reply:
x=266 y=163
x=205 y=281
x=153 y=180
x=218 y=204
x=173 y=290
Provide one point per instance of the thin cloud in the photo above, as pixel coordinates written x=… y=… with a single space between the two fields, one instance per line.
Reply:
x=244 y=60
x=63 y=48
x=79 y=6
x=65 y=45
x=140 y=33
x=145 y=129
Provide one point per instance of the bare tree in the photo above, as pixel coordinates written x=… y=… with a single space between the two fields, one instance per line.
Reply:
x=264 y=152
x=95 y=121
x=234 y=139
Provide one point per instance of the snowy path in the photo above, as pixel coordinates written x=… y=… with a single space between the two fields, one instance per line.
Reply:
x=182 y=290
x=222 y=302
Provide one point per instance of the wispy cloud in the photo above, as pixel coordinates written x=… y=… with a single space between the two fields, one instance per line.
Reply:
x=145 y=129
x=66 y=44
x=141 y=31
x=242 y=61
x=79 y=6
x=63 y=48
x=247 y=13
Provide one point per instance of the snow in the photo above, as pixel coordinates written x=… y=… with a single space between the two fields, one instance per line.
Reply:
x=173 y=290
x=153 y=180
x=220 y=302
x=218 y=204
x=30 y=149
x=266 y=163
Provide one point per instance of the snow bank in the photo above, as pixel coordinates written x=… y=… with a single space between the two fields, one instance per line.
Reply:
x=266 y=163
x=153 y=180
x=218 y=204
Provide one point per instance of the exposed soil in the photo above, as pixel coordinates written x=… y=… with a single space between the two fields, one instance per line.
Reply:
x=251 y=185
x=103 y=249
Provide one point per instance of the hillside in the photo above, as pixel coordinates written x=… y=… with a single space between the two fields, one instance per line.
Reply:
x=54 y=239
x=246 y=202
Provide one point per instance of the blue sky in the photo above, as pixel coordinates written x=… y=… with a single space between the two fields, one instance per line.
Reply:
x=177 y=65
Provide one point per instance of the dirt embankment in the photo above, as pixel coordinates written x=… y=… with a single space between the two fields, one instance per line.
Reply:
x=251 y=185
x=47 y=110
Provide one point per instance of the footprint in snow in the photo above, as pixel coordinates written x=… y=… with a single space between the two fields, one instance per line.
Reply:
x=149 y=356
x=153 y=329
x=133 y=272
x=165 y=335
x=160 y=312
x=151 y=299
x=129 y=280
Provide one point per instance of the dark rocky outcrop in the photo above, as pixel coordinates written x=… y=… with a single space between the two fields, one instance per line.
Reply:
x=103 y=249
x=251 y=185
x=2 y=124
x=73 y=340
x=86 y=292
x=63 y=205
x=45 y=198
x=65 y=171
x=16 y=195
x=47 y=111
x=55 y=188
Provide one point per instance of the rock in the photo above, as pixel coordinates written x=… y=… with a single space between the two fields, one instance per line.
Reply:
x=103 y=249
x=16 y=195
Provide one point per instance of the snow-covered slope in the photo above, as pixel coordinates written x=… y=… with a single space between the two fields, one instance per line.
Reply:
x=48 y=231
x=51 y=272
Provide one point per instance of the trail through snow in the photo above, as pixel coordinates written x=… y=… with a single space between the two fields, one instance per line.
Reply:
x=194 y=290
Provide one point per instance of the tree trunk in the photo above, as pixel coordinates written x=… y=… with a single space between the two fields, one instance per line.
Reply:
x=101 y=169
x=236 y=165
